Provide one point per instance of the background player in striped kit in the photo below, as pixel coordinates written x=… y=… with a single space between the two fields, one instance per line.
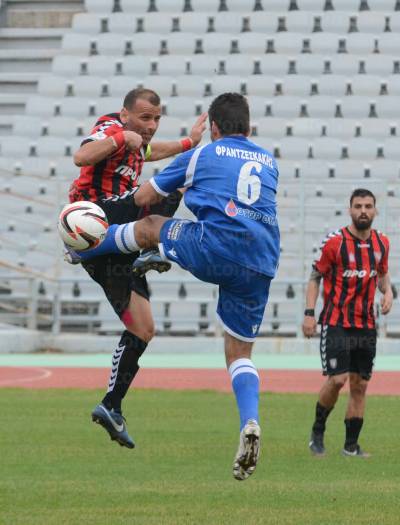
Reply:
x=352 y=263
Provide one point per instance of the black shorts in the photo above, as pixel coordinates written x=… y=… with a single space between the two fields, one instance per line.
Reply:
x=347 y=350
x=114 y=272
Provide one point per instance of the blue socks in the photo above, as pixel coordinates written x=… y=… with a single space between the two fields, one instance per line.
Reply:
x=120 y=238
x=246 y=385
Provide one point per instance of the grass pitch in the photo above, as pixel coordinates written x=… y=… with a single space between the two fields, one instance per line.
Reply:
x=57 y=467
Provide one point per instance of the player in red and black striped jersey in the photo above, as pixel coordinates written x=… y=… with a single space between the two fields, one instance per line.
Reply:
x=111 y=160
x=353 y=262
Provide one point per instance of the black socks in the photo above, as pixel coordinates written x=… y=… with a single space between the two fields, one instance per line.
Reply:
x=124 y=368
x=353 y=429
x=321 y=415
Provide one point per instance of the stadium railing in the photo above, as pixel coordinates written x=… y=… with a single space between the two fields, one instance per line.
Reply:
x=65 y=306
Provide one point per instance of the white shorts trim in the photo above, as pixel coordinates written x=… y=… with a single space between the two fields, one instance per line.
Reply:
x=234 y=334
x=162 y=251
x=157 y=188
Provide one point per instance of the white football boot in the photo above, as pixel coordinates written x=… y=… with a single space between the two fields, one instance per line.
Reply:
x=246 y=458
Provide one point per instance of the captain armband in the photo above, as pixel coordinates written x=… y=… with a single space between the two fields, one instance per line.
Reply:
x=147 y=152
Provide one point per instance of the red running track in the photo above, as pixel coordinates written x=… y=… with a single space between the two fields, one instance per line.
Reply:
x=296 y=381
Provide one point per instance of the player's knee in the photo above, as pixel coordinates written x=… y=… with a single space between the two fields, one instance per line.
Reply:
x=145 y=236
x=358 y=388
x=145 y=332
x=338 y=381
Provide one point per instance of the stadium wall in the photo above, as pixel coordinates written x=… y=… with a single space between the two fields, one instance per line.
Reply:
x=14 y=340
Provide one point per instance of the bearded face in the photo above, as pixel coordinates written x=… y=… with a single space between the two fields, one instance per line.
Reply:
x=362 y=212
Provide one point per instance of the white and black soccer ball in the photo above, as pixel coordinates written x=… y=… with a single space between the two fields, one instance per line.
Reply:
x=82 y=225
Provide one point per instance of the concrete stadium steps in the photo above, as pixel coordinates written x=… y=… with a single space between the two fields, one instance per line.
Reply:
x=41 y=13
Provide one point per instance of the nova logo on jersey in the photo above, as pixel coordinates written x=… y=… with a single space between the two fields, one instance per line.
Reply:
x=359 y=273
x=231 y=209
x=126 y=171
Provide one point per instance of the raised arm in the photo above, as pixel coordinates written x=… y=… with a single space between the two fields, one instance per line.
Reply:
x=162 y=150
x=95 y=151
x=176 y=175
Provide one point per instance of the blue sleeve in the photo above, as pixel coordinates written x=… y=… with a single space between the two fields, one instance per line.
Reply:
x=174 y=176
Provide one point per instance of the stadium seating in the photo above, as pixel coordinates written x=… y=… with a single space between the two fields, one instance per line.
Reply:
x=323 y=81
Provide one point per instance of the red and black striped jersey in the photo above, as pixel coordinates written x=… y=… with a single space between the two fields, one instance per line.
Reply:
x=115 y=174
x=350 y=269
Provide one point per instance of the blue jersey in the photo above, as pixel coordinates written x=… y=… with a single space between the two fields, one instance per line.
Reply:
x=232 y=186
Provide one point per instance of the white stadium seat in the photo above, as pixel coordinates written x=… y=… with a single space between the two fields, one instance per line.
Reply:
x=366 y=85
x=327 y=148
x=360 y=43
x=120 y=85
x=123 y=24
x=170 y=127
x=99 y=6
x=241 y=6
x=287 y=43
x=380 y=64
x=133 y=65
x=309 y=64
x=293 y=147
x=391 y=151
x=387 y=107
x=311 y=5
x=306 y=127
x=29 y=126
x=251 y=43
x=299 y=22
x=346 y=5
x=223 y=83
x=355 y=107
x=340 y=128
x=371 y=22
x=214 y=43
x=324 y=43
x=227 y=23
x=389 y=43
x=362 y=148
x=190 y=86
x=77 y=43
x=332 y=85
x=271 y=127
x=142 y=6
x=263 y=22
x=182 y=106
x=193 y=22
x=335 y=22
x=295 y=85
x=87 y=23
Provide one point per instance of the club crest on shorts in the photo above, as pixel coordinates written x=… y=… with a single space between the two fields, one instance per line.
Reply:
x=333 y=363
x=175 y=230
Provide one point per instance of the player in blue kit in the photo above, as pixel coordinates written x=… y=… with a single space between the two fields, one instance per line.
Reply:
x=231 y=188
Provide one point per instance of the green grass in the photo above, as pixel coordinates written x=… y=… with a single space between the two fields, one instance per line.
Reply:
x=56 y=467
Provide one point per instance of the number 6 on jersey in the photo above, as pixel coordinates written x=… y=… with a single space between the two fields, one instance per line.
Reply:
x=249 y=185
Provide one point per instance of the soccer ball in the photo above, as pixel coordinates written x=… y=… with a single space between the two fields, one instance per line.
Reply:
x=82 y=225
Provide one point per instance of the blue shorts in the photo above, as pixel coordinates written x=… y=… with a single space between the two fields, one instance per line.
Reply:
x=243 y=293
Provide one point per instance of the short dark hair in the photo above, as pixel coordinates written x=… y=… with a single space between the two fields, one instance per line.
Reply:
x=144 y=93
x=361 y=192
x=230 y=111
